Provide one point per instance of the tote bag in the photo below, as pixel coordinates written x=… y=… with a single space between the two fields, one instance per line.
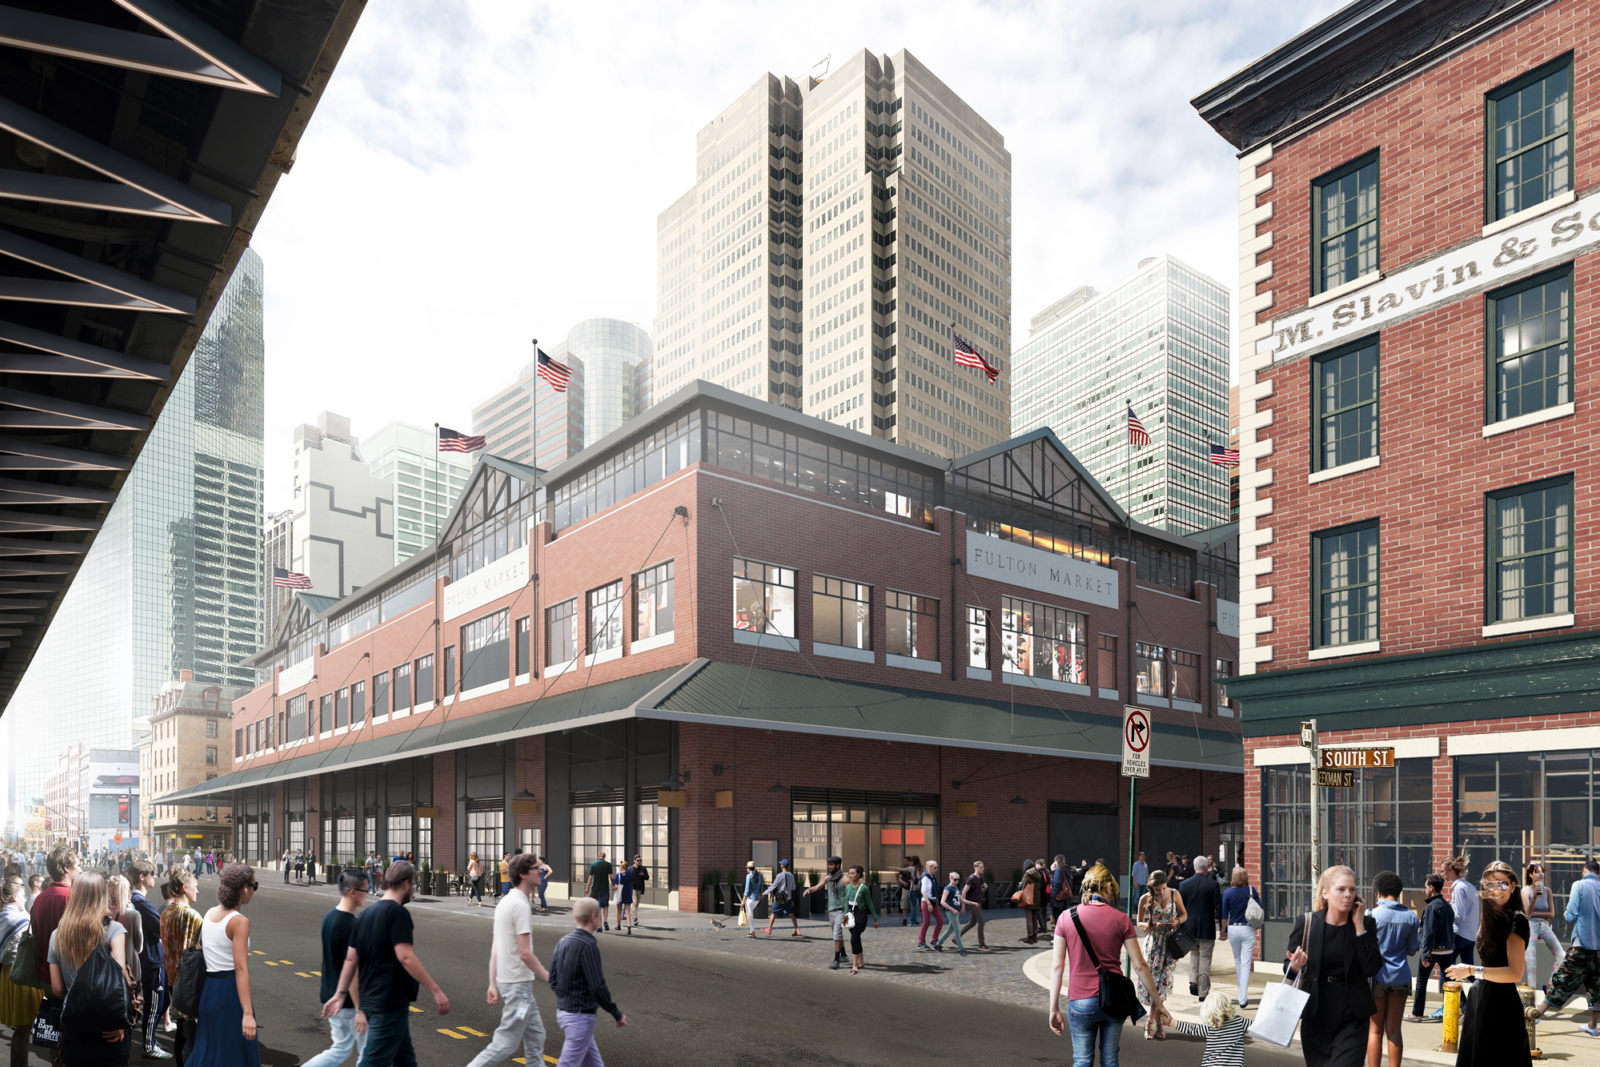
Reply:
x=1254 y=914
x=1280 y=1011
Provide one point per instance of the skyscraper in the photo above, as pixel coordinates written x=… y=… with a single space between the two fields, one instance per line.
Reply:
x=172 y=579
x=838 y=263
x=423 y=483
x=1158 y=342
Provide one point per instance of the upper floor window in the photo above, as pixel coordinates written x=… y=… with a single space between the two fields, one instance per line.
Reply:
x=1530 y=139
x=1530 y=345
x=1150 y=673
x=605 y=618
x=1346 y=585
x=841 y=612
x=211 y=727
x=763 y=598
x=1530 y=551
x=977 y=638
x=912 y=623
x=652 y=602
x=1345 y=224
x=1042 y=640
x=1345 y=398
x=561 y=632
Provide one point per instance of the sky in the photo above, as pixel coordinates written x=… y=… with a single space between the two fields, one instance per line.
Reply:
x=478 y=174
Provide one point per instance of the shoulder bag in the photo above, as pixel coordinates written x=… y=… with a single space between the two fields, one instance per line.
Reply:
x=25 y=964
x=1118 y=998
x=1024 y=897
x=99 y=1000
x=1179 y=943
x=1254 y=914
x=8 y=946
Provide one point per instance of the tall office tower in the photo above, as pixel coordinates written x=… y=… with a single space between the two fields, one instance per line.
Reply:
x=908 y=235
x=614 y=358
x=423 y=483
x=277 y=550
x=1159 y=343
x=728 y=303
x=171 y=582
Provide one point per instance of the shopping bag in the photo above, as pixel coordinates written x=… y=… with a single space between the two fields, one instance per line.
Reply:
x=1279 y=1014
x=744 y=916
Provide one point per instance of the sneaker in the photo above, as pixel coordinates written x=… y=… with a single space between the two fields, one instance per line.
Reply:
x=1438 y=1013
x=1592 y=1031
x=963 y=952
x=834 y=966
x=1416 y=1018
x=938 y=948
x=156 y=1052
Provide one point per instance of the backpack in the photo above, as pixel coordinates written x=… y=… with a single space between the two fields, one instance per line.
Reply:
x=99 y=1000
x=780 y=896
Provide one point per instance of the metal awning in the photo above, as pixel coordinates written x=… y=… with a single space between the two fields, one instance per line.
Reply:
x=139 y=143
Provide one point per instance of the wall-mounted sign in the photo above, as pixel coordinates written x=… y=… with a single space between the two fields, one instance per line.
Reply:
x=1045 y=572
x=1228 y=618
x=505 y=575
x=1356 y=758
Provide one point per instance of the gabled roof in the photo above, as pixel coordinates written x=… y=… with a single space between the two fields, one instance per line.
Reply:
x=1047 y=435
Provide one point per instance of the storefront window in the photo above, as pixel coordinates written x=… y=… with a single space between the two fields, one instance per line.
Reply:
x=912 y=625
x=561 y=632
x=877 y=830
x=486 y=836
x=841 y=612
x=763 y=598
x=605 y=619
x=596 y=828
x=653 y=838
x=652 y=602
x=1151 y=679
x=1042 y=641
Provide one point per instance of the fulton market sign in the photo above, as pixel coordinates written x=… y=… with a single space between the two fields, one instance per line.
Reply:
x=1036 y=569
x=1554 y=236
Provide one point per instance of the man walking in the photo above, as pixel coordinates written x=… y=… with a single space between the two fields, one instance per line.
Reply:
x=1580 y=971
x=780 y=901
x=598 y=885
x=1438 y=942
x=337 y=926
x=380 y=946
x=833 y=885
x=299 y=864
x=1141 y=872
x=580 y=987
x=505 y=874
x=151 y=972
x=1202 y=899
x=288 y=855
x=972 y=891
x=639 y=877
x=512 y=970
x=1464 y=902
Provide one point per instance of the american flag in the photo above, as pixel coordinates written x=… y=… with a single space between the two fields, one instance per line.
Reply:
x=287 y=579
x=557 y=374
x=968 y=356
x=454 y=441
x=1137 y=434
x=1224 y=457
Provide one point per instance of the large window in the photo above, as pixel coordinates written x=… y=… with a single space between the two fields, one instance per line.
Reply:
x=486 y=836
x=912 y=623
x=561 y=632
x=1345 y=217
x=977 y=638
x=663 y=453
x=422 y=672
x=652 y=602
x=400 y=835
x=486 y=651
x=763 y=598
x=654 y=827
x=1223 y=669
x=424 y=841
x=1530 y=346
x=841 y=612
x=1345 y=393
x=402 y=687
x=449 y=670
x=325 y=713
x=1185 y=675
x=597 y=827
x=295 y=720
x=878 y=829
x=522 y=646
x=1530 y=551
x=380 y=694
x=1530 y=139
x=605 y=619
x=341 y=708
x=1042 y=641
x=1150 y=672
x=1346 y=584
x=358 y=703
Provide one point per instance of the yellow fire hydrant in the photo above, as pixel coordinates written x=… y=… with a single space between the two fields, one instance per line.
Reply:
x=1526 y=992
x=1451 y=1032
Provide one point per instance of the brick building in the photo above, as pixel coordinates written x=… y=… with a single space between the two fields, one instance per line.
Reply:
x=188 y=744
x=1419 y=219
x=732 y=630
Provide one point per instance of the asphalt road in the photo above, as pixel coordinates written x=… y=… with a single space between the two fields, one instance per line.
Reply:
x=684 y=1005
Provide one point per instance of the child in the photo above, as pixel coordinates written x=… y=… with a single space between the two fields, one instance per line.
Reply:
x=624 y=881
x=1397 y=939
x=1225 y=1031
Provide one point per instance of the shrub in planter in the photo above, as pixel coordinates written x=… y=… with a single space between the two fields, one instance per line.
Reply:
x=708 y=894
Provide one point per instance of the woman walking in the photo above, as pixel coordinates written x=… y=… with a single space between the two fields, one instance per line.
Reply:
x=1241 y=935
x=1108 y=932
x=475 y=872
x=180 y=931
x=1335 y=950
x=950 y=901
x=857 y=906
x=1540 y=906
x=1161 y=911
x=1492 y=1030
x=932 y=909
x=18 y=1003
x=225 y=1034
x=82 y=930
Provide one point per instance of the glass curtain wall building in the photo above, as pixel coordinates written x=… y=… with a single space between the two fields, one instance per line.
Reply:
x=425 y=483
x=1157 y=342
x=614 y=358
x=172 y=581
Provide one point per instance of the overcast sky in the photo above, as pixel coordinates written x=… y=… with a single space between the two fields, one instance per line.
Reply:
x=479 y=174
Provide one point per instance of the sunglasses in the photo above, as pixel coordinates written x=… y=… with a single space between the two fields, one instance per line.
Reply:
x=1496 y=887
x=253 y=886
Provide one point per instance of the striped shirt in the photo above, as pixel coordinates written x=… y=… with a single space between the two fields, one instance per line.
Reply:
x=1224 y=1045
x=180 y=929
x=576 y=977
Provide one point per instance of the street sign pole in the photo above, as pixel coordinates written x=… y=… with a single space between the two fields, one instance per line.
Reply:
x=1308 y=737
x=1137 y=732
x=1133 y=804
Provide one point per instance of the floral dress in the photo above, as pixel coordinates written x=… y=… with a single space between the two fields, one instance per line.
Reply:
x=1155 y=953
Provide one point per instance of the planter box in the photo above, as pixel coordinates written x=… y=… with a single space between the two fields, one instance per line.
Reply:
x=802 y=904
x=708 y=899
x=733 y=901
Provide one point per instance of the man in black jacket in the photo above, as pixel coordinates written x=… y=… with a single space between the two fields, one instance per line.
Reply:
x=142 y=873
x=1438 y=939
x=1202 y=899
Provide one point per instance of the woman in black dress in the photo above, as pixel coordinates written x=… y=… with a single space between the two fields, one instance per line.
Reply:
x=1492 y=1030
x=1335 y=951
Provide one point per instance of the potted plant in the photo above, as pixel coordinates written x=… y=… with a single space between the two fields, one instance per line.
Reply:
x=425 y=879
x=712 y=892
x=333 y=869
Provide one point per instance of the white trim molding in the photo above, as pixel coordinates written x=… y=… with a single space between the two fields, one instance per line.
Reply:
x=750 y=637
x=1559 y=739
x=912 y=663
x=1404 y=748
x=1528 y=626
x=1355 y=648
x=849 y=652
x=1532 y=418
x=1353 y=467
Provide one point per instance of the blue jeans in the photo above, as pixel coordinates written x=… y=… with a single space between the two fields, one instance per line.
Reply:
x=542 y=888
x=345 y=1040
x=388 y=1040
x=1092 y=1027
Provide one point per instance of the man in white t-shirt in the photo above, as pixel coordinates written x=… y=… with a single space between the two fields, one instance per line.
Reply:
x=512 y=970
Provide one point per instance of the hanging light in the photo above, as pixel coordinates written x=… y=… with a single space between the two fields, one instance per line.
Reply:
x=777 y=787
x=1019 y=799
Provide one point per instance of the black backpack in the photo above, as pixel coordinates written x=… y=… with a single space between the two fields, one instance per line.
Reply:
x=99 y=1000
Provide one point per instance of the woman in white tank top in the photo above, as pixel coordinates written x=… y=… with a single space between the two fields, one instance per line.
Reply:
x=1540 y=906
x=225 y=1032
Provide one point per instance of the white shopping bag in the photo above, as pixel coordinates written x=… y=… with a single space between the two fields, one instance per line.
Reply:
x=1281 y=1007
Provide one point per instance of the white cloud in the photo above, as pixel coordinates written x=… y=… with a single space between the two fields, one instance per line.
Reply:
x=477 y=175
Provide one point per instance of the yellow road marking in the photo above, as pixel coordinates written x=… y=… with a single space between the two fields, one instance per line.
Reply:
x=416 y=1010
x=470 y=1030
x=269 y=963
x=317 y=973
x=286 y=963
x=452 y=1033
x=301 y=974
x=257 y=952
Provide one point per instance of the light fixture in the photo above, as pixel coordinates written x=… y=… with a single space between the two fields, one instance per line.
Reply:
x=777 y=787
x=526 y=795
x=1019 y=799
x=672 y=785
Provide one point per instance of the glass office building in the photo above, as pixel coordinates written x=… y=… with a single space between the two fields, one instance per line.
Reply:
x=1157 y=342
x=615 y=359
x=172 y=581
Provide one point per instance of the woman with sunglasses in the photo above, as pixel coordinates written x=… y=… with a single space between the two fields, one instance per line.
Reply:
x=1540 y=905
x=1492 y=1029
x=225 y=1032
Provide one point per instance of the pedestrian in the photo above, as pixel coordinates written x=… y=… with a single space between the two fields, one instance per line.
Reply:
x=637 y=871
x=1539 y=904
x=950 y=901
x=288 y=861
x=833 y=888
x=544 y=883
x=1224 y=1029
x=1464 y=902
x=1202 y=904
x=19 y=1004
x=1161 y=912
x=580 y=987
x=119 y=909
x=225 y=1032
x=35 y=887
x=974 y=891
x=624 y=883
x=83 y=929
x=61 y=870
x=513 y=966
x=1398 y=940
x=1060 y=886
x=337 y=926
x=1436 y=942
x=1334 y=952
x=1580 y=971
x=1492 y=1029
x=1241 y=935
x=475 y=872
x=1141 y=873
x=180 y=931
x=299 y=865
x=381 y=950
x=153 y=983
x=932 y=910
x=753 y=887
x=903 y=875
x=858 y=906
x=598 y=885
x=1030 y=897
x=1091 y=938
x=311 y=866
x=505 y=874
x=780 y=898
x=1172 y=866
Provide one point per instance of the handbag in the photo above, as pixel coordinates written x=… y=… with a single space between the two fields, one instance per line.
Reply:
x=1179 y=943
x=8 y=947
x=47 y=1024
x=99 y=1000
x=1254 y=914
x=1118 y=998
x=1024 y=897
x=25 y=964
x=1281 y=1007
x=191 y=982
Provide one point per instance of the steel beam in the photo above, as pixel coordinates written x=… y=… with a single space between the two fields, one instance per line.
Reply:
x=26 y=522
x=130 y=287
x=55 y=344
x=28 y=588
x=17 y=620
x=250 y=72
x=13 y=491
x=21 y=546
x=16 y=454
x=24 y=569
x=84 y=193
x=57 y=366
x=100 y=418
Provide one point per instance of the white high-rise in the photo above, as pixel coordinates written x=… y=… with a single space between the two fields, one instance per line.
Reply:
x=342 y=518
x=423 y=483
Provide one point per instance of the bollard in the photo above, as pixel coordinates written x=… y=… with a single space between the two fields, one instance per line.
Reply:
x=1451 y=1032
x=1531 y=1021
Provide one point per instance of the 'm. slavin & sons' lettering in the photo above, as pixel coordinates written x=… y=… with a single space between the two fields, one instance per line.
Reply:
x=1046 y=572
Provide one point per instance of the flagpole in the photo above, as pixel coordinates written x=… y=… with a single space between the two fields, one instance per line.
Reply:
x=437 y=517
x=535 y=463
